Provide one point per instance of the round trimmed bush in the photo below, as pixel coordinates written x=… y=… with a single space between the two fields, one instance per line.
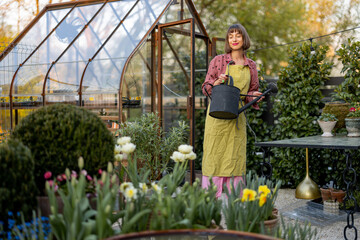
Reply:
x=59 y=134
x=17 y=185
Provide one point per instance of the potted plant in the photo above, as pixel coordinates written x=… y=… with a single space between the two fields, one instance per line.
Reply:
x=352 y=121
x=327 y=122
x=254 y=210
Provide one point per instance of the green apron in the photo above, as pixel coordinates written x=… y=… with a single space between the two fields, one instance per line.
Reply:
x=224 y=149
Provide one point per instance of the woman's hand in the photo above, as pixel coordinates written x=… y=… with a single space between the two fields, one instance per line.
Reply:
x=221 y=79
x=256 y=93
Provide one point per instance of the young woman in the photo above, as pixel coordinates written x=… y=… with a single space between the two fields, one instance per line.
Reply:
x=224 y=149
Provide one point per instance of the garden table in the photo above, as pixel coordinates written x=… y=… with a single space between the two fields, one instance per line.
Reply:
x=347 y=145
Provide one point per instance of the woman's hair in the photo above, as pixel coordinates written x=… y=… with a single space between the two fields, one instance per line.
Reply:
x=240 y=29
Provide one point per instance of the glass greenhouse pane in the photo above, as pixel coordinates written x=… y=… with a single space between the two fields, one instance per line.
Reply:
x=136 y=89
x=37 y=66
x=107 y=67
x=27 y=45
x=69 y=69
x=176 y=75
x=174 y=14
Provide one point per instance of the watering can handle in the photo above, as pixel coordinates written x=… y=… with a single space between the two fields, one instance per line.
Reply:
x=206 y=90
x=230 y=81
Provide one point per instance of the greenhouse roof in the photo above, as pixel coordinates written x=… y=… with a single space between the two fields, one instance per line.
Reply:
x=84 y=46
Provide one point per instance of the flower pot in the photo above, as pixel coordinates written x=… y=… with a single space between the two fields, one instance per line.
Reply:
x=338 y=195
x=44 y=205
x=353 y=127
x=270 y=225
x=327 y=127
x=340 y=110
x=325 y=194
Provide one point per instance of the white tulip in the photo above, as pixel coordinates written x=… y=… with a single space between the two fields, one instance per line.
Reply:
x=128 y=148
x=119 y=157
x=178 y=156
x=123 y=140
x=191 y=156
x=185 y=149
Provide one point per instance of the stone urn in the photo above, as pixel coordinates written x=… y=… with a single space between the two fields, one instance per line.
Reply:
x=353 y=127
x=327 y=127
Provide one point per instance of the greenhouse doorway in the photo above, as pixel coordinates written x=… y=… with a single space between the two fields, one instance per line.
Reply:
x=175 y=80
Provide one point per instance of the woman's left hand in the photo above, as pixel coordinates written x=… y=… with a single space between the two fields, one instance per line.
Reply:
x=256 y=93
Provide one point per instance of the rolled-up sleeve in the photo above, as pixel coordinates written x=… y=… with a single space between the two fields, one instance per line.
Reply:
x=254 y=85
x=211 y=76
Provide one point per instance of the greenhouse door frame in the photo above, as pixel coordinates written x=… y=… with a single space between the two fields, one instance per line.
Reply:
x=191 y=95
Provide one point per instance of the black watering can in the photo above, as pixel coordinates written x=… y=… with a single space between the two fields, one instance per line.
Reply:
x=226 y=97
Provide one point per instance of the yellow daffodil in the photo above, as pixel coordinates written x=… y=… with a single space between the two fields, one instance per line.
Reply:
x=143 y=188
x=156 y=187
x=130 y=193
x=264 y=190
x=262 y=200
x=124 y=186
x=248 y=195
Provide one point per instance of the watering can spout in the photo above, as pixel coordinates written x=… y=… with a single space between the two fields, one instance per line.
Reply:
x=272 y=88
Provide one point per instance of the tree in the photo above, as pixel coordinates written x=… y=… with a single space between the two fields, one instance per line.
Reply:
x=278 y=22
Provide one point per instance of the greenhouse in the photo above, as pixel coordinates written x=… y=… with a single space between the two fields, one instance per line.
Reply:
x=118 y=58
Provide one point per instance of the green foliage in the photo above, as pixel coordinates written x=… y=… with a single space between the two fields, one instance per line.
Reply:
x=349 y=55
x=153 y=146
x=79 y=220
x=267 y=23
x=327 y=117
x=297 y=107
x=296 y=231
x=59 y=134
x=260 y=129
x=17 y=185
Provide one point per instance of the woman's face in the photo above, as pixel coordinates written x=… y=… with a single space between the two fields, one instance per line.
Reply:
x=235 y=41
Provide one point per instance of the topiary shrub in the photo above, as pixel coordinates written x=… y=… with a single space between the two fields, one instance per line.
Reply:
x=17 y=185
x=59 y=134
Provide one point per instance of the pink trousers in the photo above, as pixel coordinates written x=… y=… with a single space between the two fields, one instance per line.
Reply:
x=219 y=182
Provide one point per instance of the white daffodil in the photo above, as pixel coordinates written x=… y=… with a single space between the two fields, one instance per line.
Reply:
x=178 y=156
x=143 y=187
x=156 y=188
x=117 y=149
x=128 y=148
x=124 y=186
x=185 y=149
x=123 y=140
x=130 y=193
x=191 y=156
x=119 y=157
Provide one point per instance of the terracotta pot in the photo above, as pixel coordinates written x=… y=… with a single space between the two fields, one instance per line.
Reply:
x=270 y=225
x=325 y=194
x=338 y=195
x=44 y=205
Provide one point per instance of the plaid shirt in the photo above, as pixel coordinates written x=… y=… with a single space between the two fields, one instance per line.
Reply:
x=218 y=66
